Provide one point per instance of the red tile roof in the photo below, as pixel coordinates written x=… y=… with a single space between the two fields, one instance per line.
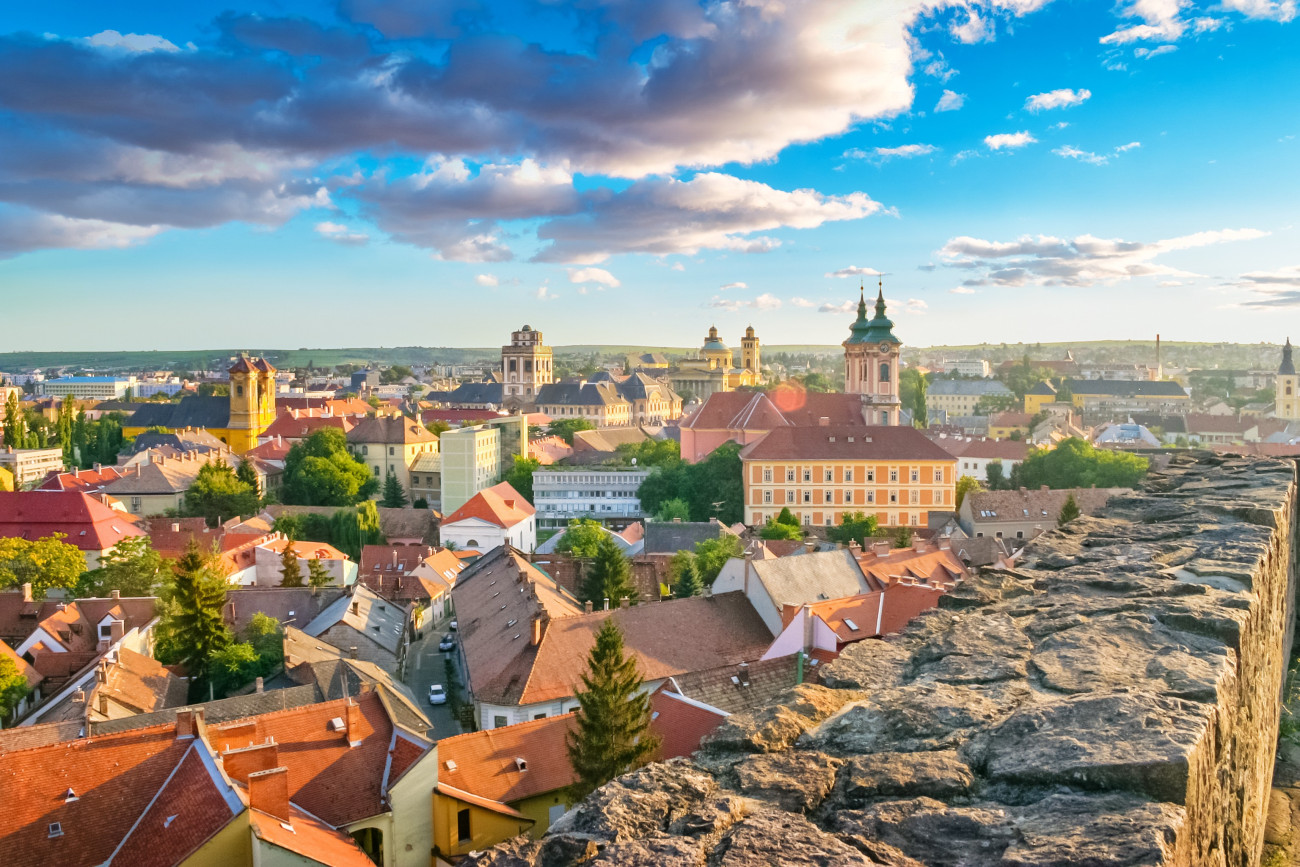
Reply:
x=309 y=837
x=983 y=447
x=87 y=523
x=500 y=504
x=845 y=443
x=933 y=565
x=85 y=481
x=681 y=723
x=485 y=762
x=292 y=425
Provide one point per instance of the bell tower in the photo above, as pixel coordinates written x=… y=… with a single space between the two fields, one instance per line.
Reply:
x=252 y=401
x=750 y=358
x=871 y=363
x=1286 y=388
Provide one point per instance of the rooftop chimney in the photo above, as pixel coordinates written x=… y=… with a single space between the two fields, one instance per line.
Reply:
x=268 y=792
x=743 y=673
x=352 y=652
x=187 y=722
x=606 y=603
x=352 y=724
x=824 y=421
x=880 y=549
x=539 y=629
x=624 y=602
x=259 y=688
x=587 y=606
x=102 y=703
x=115 y=594
x=355 y=606
x=27 y=591
x=79 y=696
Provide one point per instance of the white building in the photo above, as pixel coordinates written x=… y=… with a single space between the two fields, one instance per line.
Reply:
x=87 y=387
x=29 y=466
x=601 y=494
x=972 y=367
x=493 y=517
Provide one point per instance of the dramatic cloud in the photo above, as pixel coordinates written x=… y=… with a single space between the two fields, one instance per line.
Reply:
x=950 y=101
x=854 y=271
x=1009 y=140
x=1161 y=21
x=593 y=275
x=732 y=305
x=340 y=234
x=736 y=285
x=1074 y=153
x=1063 y=98
x=1083 y=261
x=21 y=230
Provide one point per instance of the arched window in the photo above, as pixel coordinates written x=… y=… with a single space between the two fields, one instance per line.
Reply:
x=1288 y=389
x=239 y=391
x=884 y=371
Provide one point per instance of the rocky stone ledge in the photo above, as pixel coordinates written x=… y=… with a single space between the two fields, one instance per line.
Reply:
x=1112 y=700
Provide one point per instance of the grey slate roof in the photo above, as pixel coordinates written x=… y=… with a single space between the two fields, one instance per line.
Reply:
x=1125 y=388
x=476 y=392
x=381 y=621
x=192 y=411
x=978 y=387
x=579 y=394
x=812 y=577
x=670 y=537
x=219 y=711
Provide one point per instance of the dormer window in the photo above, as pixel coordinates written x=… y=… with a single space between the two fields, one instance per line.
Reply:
x=56 y=830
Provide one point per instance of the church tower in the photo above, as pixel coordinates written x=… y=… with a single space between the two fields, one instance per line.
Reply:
x=525 y=365
x=252 y=401
x=750 y=358
x=871 y=363
x=1286 y=389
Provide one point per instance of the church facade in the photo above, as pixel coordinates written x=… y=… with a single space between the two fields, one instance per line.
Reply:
x=237 y=419
x=871 y=364
x=713 y=369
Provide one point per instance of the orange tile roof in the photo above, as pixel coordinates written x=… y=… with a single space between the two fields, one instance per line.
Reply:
x=87 y=523
x=934 y=565
x=305 y=550
x=309 y=837
x=476 y=800
x=142 y=684
x=485 y=761
x=24 y=667
x=86 y=481
x=500 y=504
x=681 y=723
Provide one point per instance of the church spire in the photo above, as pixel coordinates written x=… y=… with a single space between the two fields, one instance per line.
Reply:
x=1287 y=367
x=880 y=298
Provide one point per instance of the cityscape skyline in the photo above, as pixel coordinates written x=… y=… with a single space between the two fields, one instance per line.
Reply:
x=1123 y=170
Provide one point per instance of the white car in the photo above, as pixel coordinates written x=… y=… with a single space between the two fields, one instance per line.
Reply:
x=437 y=695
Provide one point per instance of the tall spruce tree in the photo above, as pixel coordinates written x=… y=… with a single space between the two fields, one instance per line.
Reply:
x=1069 y=511
x=317 y=574
x=194 y=626
x=612 y=734
x=393 y=496
x=290 y=568
x=609 y=576
x=686 y=575
x=247 y=473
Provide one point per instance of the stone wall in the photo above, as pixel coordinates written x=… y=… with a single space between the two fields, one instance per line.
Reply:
x=1113 y=700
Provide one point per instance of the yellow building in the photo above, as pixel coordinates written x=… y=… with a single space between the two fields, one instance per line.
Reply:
x=1110 y=396
x=712 y=370
x=237 y=420
x=1286 y=388
x=825 y=473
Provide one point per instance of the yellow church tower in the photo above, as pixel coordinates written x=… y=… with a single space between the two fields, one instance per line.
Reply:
x=1286 y=389
x=252 y=402
x=750 y=358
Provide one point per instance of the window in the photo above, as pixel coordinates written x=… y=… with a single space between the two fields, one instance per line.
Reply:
x=767 y=474
x=828 y=497
x=497 y=721
x=848 y=496
x=916 y=475
x=938 y=476
x=807 y=475
x=807 y=496
x=807 y=519
x=893 y=475
x=916 y=498
x=789 y=496
x=365 y=450
x=829 y=476
x=767 y=496
x=916 y=519
x=462 y=825
x=105 y=631
x=848 y=474
x=514 y=366
x=789 y=474
x=376 y=469
x=391 y=452
x=239 y=391
x=893 y=497
x=871 y=496
x=871 y=475
x=539 y=716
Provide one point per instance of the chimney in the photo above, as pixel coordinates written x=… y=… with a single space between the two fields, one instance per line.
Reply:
x=115 y=594
x=79 y=696
x=539 y=629
x=824 y=421
x=352 y=724
x=258 y=688
x=606 y=603
x=587 y=606
x=116 y=630
x=27 y=591
x=176 y=527
x=355 y=606
x=268 y=792
x=743 y=673
x=945 y=543
x=880 y=549
x=749 y=565
x=1044 y=488
x=624 y=602
x=854 y=547
x=101 y=702
x=101 y=671
x=352 y=652
x=187 y=722
x=677 y=520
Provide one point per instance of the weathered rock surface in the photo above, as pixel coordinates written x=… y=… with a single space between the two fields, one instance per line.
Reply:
x=1112 y=700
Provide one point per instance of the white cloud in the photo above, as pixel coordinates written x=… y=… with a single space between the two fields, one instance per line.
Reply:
x=847 y=307
x=1062 y=98
x=1168 y=283
x=854 y=271
x=914 y=306
x=962 y=290
x=904 y=151
x=1009 y=140
x=950 y=101
x=975 y=28
x=678 y=266
x=766 y=301
x=1148 y=53
x=1273 y=10
x=544 y=294
x=802 y=302
x=1273 y=289
x=1128 y=147
x=593 y=275
x=21 y=230
x=486 y=280
x=1083 y=261
x=1206 y=25
x=1060 y=124
x=1071 y=152
x=130 y=42
x=1161 y=22
x=340 y=234
x=736 y=285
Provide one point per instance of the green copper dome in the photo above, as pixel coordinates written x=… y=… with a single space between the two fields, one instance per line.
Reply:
x=878 y=329
x=712 y=342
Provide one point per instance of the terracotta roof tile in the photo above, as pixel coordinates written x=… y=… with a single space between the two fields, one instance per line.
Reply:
x=310 y=838
x=87 y=523
x=486 y=764
x=681 y=723
x=845 y=443
x=500 y=504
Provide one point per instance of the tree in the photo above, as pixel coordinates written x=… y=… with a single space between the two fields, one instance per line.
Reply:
x=774 y=529
x=66 y=422
x=786 y=517
x=15 y=423
x=675 y=509
x=966 y=485
x=582 y=538
x=319 y=471
x=192 y=628
x=520 y=476
x=650 y=453
x=46 y=564
x=816 y=382
x=903 y=537
x=13 y=686
x=437 y=428
x=612 y=727
x=246 y=472
x=609 y=576
x=394 y=495
x=1069 y=511
x=685 y=575
x=712 y=554
x=218 y=493
x=1075 y=463
x=912 y=388
x=713 y=488
x=996 y=477
x=231 y=667
x=858 y=527
x=132 y=567
x=565 y=428
x=290 y=568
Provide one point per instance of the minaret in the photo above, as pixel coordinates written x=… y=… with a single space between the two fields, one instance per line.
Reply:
x=871 y=362
x=1286 y=389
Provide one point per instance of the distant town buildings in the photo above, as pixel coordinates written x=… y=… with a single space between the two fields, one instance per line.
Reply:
x=87 y=387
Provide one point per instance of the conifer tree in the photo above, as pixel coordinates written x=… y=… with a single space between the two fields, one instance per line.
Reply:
x=1069 y=511
x=687 y=574
x=393 y=497
x=247 y=473
x=317 y=575
x=196 y=629
x=612 y=734
x=609 y=576
x=290 y=568
x=903 y=537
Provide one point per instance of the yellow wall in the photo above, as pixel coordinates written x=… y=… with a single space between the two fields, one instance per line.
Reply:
x=1002 y=432
x=538 y=808
x=486 y=827
x=6 y=480
x=229 y=847
x=879 y=478
x=1034 y=402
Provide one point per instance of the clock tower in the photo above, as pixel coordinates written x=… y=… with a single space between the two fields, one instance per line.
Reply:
x=871 y=363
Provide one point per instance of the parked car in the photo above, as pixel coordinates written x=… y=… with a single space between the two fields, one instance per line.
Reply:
x=452 y=626
x=448 y=642
x=437 y=695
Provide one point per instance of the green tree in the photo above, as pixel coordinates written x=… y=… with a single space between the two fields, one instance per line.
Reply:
x=816 y=382
x=675 y=509
x=1069 y=511
x=231 y=667
x=1075 y=463
x=290 y=568
x=713 y=488
x=912 y=388
x=858 y=527
x=192 y=627
x=520 y=476
x=609 y=576
x=394 y=495
x=66 y=422
x=565 y=428
x=350 y=530
x=774 y=529
x=684 y=573
x=246 y=472
x=437 y=428
x=317 y=574
x=13 y=686
x=319 y=471
x=786 y=517
x=15 y=423
x=582 y=538
x=966 y=485
x=265 y=634
x=132 y=568
x=217 y=494
x=46 y=564
x=996 y=476
x=650 y=453
x=612 y=727
x=712 y=554
x=903 y=537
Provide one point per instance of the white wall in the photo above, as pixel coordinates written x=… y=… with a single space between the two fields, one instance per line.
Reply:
x=732 y=577
x=790 y=641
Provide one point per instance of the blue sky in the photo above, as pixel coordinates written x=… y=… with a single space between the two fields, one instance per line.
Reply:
x=410 y=172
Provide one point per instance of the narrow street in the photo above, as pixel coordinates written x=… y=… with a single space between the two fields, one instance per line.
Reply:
x=425 y=668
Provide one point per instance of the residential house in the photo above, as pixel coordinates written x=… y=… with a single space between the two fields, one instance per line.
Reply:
x=1100 y=399
x=772 y=585
x=90 y=481
x=1024 y=514
x=496 y=516
x=291 y=606
x=958 y=397
x=389 y=445
x=826 y=473
x=598 y=402
x=125 y=684
x=497 y=783
x=974 y=454
x=1003 y=425
x=368 y=627
x=29 y=466
x=84 y=521
x=29 y=673
x=419 y=576
x=260 y=561
x=157 y=485
x=669 y=537
x=652 y=401
x=655 y=361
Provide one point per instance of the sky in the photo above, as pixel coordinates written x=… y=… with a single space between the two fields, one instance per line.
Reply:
x=439 y=172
